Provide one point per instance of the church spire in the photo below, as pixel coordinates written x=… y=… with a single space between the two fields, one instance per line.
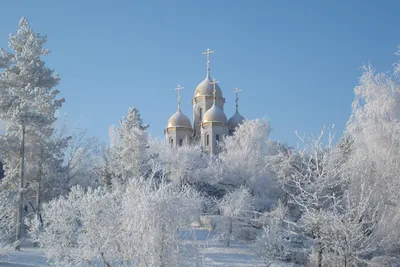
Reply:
x=214 y=82
x=208 y=53
x=237 y=98
x=179 y=88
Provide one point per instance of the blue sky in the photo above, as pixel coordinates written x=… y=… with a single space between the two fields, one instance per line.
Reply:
x=297 y=62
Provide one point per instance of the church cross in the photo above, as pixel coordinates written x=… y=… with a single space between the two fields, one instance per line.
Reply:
x=214 y=82
x=179 y=88
x=208 y=53
x=237 y=97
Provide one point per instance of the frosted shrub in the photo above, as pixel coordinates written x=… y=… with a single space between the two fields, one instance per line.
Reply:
x=136 y=226
x=234 y=207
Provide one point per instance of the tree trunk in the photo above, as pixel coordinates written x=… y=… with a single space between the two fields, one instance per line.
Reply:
x=104 y=260
x=20 y=208
x=230 y=232
x=162 y=252
x=319 y=256
x=39 y=179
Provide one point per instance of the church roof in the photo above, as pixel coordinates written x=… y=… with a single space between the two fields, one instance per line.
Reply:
x=206 y=88
x=178 y=119
x=235 y=120
x=214 y=114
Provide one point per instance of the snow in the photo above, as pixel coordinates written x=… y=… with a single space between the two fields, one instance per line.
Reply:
x=212 y=253
x=28 y=256
x=215 y=253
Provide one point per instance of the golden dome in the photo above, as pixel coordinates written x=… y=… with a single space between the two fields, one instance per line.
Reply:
x=179 y=120
x=235 y=120
x=205 y=88
x=214 y=114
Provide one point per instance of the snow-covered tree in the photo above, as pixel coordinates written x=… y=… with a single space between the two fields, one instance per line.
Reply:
x=26 y=86
x=311 y=176
x=397 y=65
x=358 y=234
x=274 y=241
x=374 y=130
x=184 y=165
x=81 y=156
x=243 y=162
x=28 y=106
x=347 y=195
x=7 y=219
x=312 y=180
x=374 y=127
x=127 y=155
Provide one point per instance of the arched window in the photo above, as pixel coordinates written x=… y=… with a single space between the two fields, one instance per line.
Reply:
x=201 y=113
x=207 y=140
x=171 y=142
x=180 y=142
x=217 y=137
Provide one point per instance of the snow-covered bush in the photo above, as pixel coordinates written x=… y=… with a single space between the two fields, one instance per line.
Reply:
x=209 y=222
x=273 y=242
x=235 y=208
x=136 y=226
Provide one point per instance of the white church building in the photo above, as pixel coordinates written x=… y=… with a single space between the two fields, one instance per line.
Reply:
x=210 y=124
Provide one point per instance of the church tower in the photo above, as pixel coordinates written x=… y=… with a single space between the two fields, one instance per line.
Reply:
x=214 y=125
x=236 y=119
x=179 y=128
x=204 y=98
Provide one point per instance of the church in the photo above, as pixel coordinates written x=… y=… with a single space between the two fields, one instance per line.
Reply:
x=210 y=124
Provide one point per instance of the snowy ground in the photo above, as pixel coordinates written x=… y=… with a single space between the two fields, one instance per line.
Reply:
x=27 y=257
x=212 y=253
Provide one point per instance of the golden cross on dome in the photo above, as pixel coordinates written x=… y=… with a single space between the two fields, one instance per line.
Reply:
x=237 y=97
x=179 y=88
x=208 y=53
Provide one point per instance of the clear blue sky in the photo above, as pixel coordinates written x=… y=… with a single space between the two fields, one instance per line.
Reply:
x=296 y=61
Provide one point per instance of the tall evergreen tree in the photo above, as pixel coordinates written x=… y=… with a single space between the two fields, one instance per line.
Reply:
x=126 y=158
x=28 y=106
